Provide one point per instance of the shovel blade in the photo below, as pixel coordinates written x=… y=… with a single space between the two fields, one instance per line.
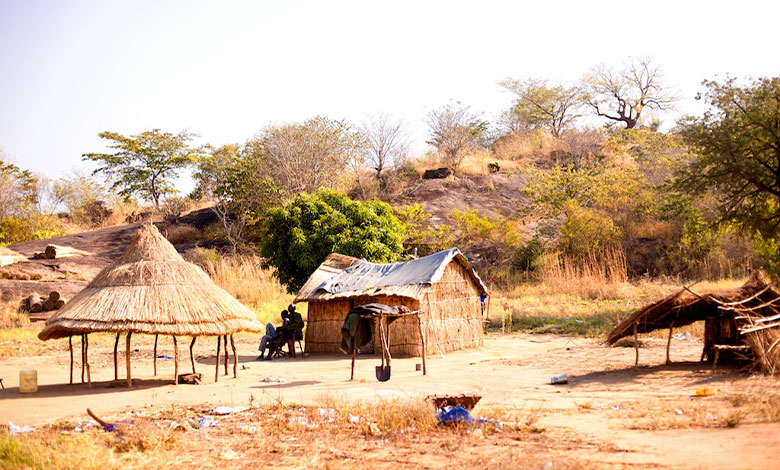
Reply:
x=383 y=373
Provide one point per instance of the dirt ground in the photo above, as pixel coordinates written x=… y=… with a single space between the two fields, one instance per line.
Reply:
x=609 y=415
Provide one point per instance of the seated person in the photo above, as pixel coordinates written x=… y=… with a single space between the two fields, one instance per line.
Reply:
x=287 y=331
x=270 y=334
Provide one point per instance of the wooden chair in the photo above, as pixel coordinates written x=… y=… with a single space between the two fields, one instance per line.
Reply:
x=297 y=336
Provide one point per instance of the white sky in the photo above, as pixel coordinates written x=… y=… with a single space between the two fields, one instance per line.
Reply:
x=226 y=69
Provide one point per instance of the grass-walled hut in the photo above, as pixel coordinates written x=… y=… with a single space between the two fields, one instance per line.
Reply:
x=442 y=286
x=151 y=290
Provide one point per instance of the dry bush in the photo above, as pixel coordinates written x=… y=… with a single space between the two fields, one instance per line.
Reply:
x=530 y=147
x=10 y=316
x=245 y=279
x=181 y=233
x=765 y=344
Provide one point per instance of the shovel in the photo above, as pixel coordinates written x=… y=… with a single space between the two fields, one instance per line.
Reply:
x=383 y=373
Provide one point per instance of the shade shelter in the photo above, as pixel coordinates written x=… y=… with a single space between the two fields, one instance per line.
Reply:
x=152 y=290
x=442 y=287
x=738 y=322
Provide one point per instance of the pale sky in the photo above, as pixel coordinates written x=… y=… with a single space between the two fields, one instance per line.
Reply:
x=226 y=69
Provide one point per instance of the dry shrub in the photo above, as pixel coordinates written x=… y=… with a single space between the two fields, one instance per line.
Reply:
x=181 y=233
x=528 y=146
x=51 y=450
x=245 y=279
x=10 y=316
x=766 y=346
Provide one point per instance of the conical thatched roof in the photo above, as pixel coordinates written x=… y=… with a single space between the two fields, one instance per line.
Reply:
x=151 y=289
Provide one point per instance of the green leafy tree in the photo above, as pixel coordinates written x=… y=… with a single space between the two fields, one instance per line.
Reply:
x=144 y=165
x=17 y=189
x=737 y=145
x=541 y=106
x=230 y=177
x=300 y=234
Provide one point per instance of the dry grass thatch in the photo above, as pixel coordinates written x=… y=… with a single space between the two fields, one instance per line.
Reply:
x=746 y=317
x=151 y=289
x=687 y=306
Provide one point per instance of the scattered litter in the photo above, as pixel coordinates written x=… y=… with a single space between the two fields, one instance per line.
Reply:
x=174 y=425
x=14 y=429
x=712 y=417
x=164 y=357
x=705 y=392
x=682 y=336
x=615 y=408
x=108 y=428
x=455 y=415
x=79 y=426
x=477 y=433
x=228 y=454
x=248 y=429
x=355 y=419
x=559 y=379
x=272 y=379
x=327 y=414
x=373 y=429
x=339 y=453
x=226 y=410
x=547 y=466
x=207 y=422
x=301 y=421
x=679 y=411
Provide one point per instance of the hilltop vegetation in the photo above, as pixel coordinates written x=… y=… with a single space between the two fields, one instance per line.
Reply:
x=527 y=196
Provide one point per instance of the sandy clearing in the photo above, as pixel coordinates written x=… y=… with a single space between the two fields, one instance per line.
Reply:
x=510 y=371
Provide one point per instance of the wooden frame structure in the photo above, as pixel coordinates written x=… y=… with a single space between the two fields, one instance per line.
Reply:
x=382 y=322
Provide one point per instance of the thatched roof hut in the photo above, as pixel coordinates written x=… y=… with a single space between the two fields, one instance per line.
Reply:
x=151 y=289
x=443 y=287
x=734 y=319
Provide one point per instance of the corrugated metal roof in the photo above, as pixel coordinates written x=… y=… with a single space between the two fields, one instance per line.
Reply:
x=333 y=264
x=406 y=279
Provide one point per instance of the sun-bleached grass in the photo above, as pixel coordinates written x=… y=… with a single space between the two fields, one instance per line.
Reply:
x=245 y=279
x=582 y=300
x=332 y=434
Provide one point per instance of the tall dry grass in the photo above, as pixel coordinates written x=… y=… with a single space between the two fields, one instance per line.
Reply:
x=245 y=279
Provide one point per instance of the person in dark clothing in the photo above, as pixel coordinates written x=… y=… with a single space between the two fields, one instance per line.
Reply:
x=295 y=323
x=270 y=334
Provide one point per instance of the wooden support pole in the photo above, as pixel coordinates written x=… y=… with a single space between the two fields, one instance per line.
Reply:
x=155 y=355
x=219 y=344
x=235 y=357
x=669 y=343
x=86 y=360
x=127 y=359
x=227 y=355
x=175 y=361
x=352 y=375
x=636 y=346
x=116 y=367
x=70 y=348
x=422 y=341
x=82 y=358
x=192 y=357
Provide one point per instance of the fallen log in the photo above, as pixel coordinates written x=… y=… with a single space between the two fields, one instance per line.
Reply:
x=50 y=252
x=54 y=295
x=59 y=304
x=34 y=302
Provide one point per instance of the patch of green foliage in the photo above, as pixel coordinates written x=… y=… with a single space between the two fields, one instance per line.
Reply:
x=300 y=234
x=598 y=324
